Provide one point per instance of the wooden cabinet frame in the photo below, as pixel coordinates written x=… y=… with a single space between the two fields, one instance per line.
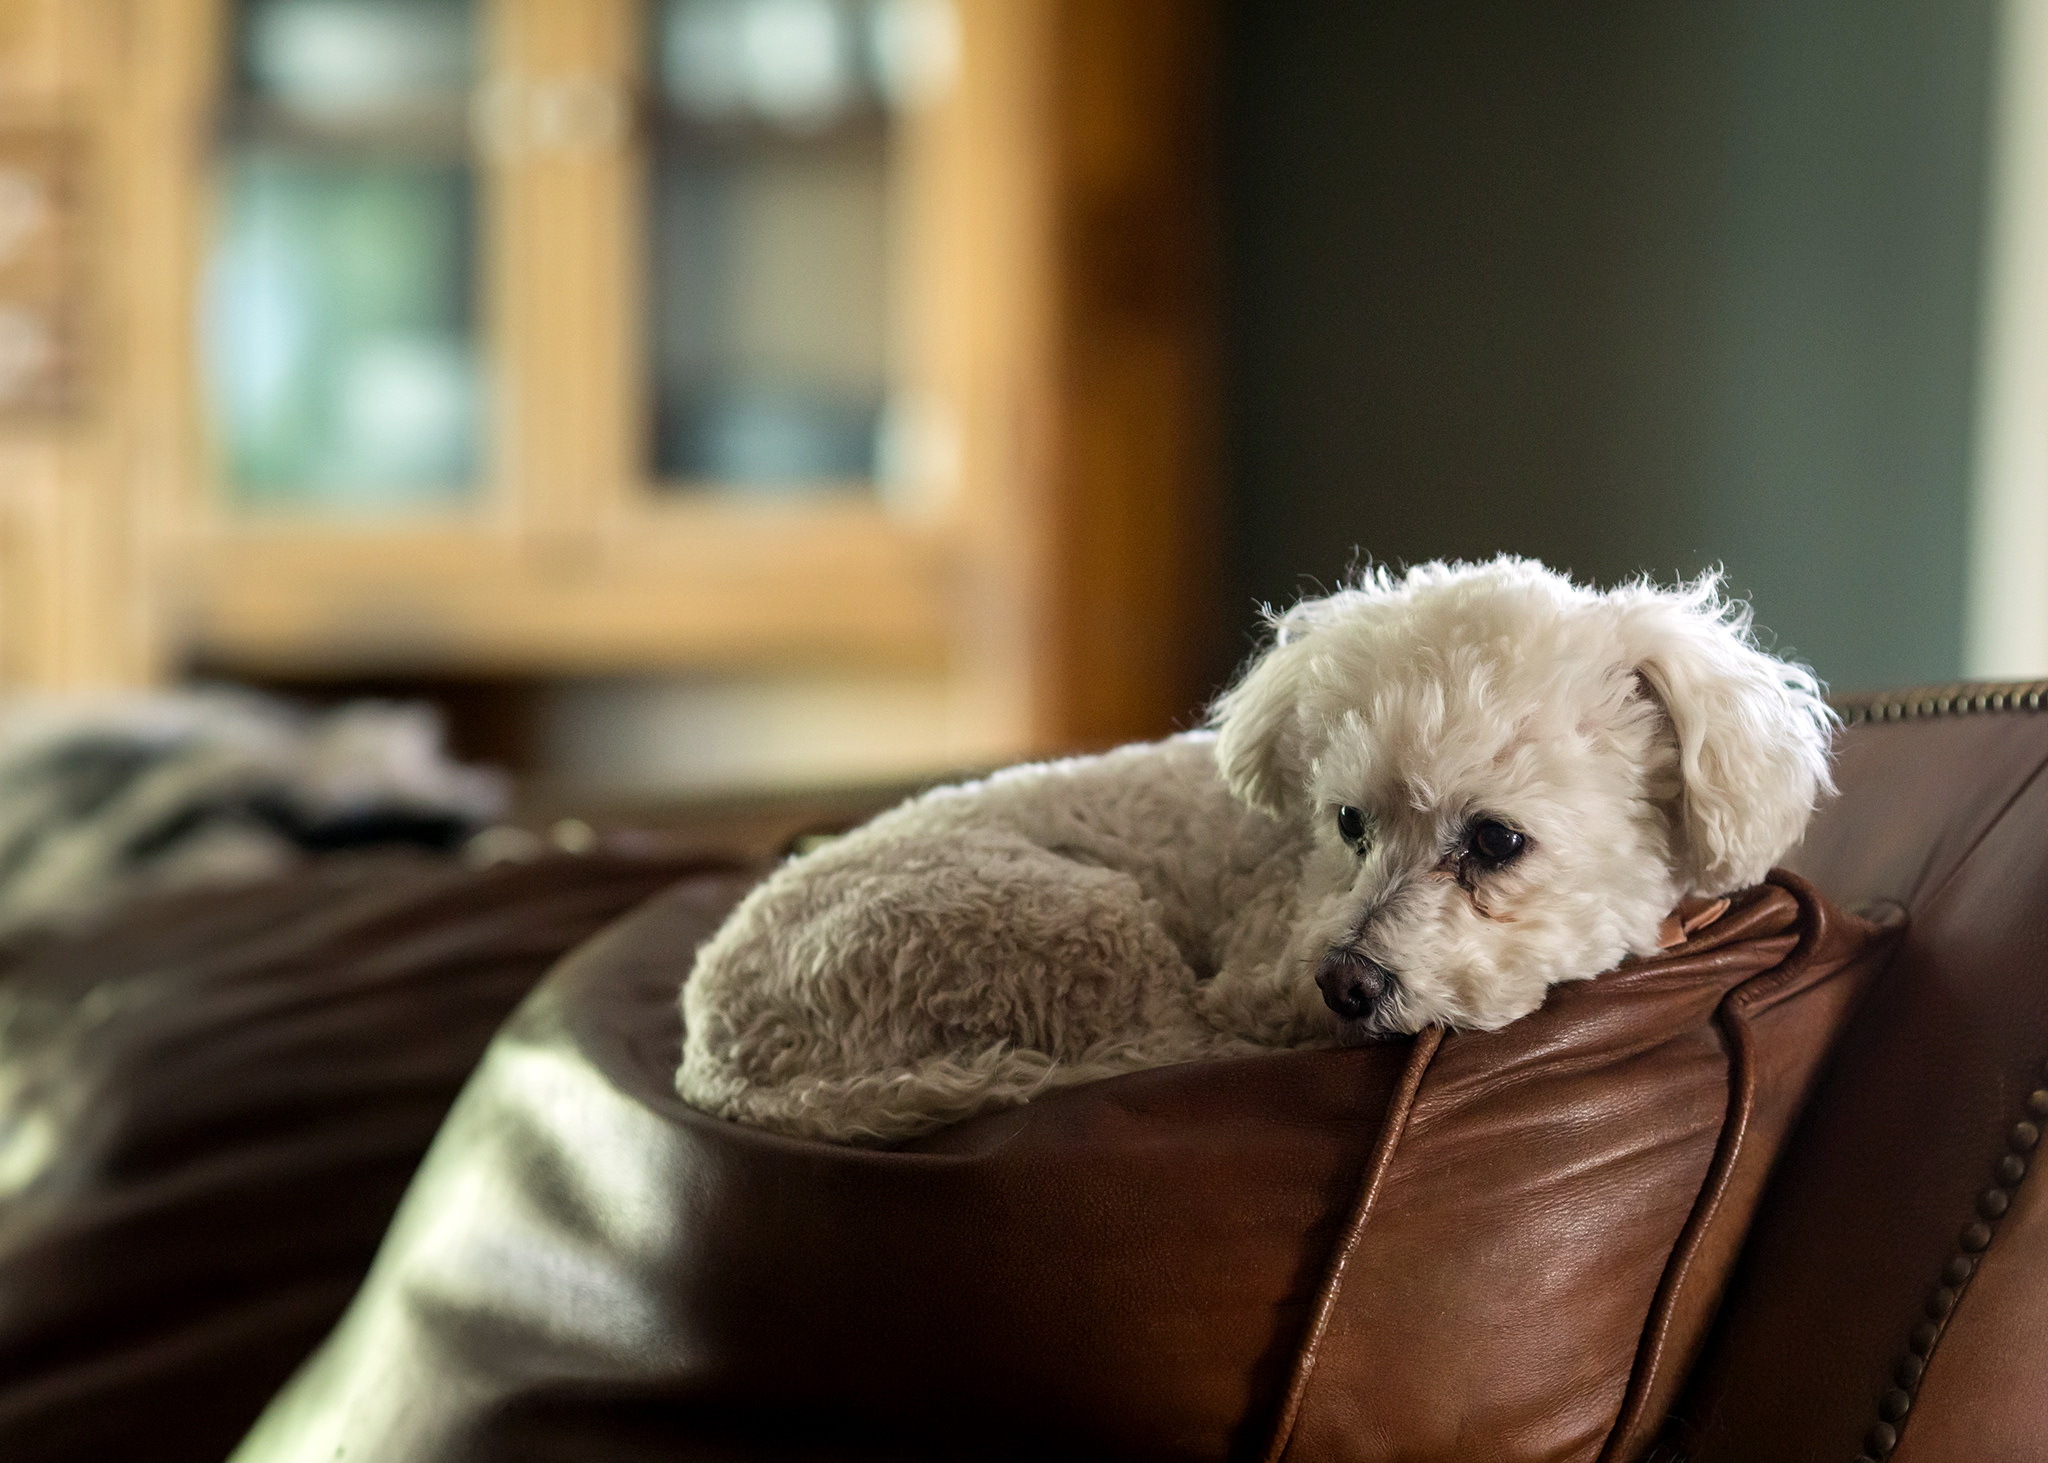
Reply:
x=1058 y=301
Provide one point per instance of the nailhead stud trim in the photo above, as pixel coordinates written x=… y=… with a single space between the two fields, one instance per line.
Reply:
x=1895 y=1403
x=1960 y=699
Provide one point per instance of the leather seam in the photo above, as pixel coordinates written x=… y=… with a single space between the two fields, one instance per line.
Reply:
x=1956 y=699
x=1991 y=825
x=1713 y=1191
x=1918 y=896
x=1399 y=1113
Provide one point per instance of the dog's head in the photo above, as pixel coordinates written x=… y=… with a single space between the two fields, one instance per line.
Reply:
x=1511 y=780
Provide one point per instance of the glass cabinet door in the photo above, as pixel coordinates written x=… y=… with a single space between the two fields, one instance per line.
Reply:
x=340 y=336
x=517 y=314
x=773 y=185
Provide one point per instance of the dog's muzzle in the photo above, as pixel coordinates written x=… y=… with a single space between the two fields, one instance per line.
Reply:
x=1354 y=986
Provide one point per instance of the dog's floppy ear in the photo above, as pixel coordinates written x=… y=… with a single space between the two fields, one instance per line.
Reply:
x=1260 y=746
x=1752 y=731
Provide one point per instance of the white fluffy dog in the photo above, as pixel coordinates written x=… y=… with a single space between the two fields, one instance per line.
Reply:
x=1431 y=799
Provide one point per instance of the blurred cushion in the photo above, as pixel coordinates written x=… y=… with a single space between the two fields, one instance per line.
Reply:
x=107 y=797
x=208 y=1110
x=1498 y=1245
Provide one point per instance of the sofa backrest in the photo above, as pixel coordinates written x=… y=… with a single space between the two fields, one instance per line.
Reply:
x=1893 y=1299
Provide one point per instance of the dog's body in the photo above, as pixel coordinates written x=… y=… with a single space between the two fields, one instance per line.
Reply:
x=1431 y=800
x=1052 y=924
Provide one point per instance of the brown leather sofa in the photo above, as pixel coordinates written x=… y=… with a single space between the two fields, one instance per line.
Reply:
x=1891 y=1298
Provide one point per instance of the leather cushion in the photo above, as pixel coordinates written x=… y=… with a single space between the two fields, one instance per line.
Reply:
x=209 y=1108
x=1503 y=1245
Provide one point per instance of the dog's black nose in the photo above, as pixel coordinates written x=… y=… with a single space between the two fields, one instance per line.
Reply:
x=1352 y=985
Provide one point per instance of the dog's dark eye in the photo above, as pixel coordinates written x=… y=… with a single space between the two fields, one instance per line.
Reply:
x=1350 y=824
x=1493 y=843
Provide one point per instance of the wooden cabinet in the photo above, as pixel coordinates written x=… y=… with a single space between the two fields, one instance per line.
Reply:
x=1038 y=537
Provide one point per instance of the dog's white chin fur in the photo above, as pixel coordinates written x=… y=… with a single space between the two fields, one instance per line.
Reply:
x=1069 y=921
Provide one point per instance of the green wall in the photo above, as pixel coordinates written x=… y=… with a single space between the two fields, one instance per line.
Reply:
x=1626 y=286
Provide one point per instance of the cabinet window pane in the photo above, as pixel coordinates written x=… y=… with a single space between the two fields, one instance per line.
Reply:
x=340 y=330
x=770 y=235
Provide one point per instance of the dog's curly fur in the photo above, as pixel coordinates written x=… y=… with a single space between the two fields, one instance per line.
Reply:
x=1432 y=798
